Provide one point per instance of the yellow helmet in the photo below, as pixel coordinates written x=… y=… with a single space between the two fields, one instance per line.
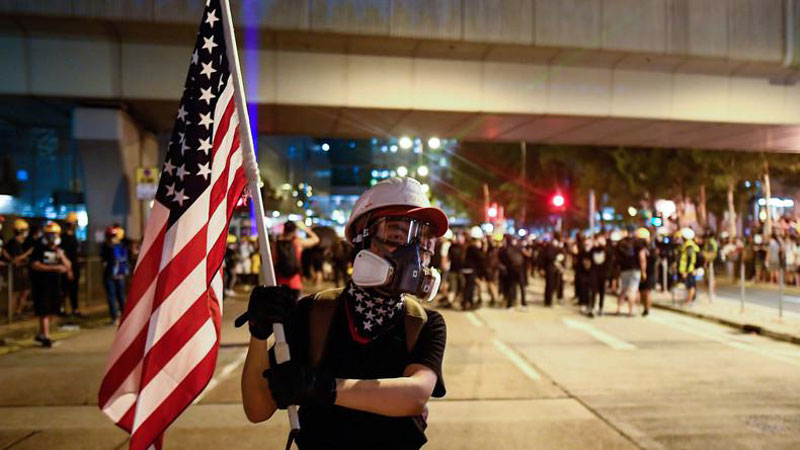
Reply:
x=52 y=227
x=231 y=239
x=20 y=225
x=72 y=218
x=642 y=233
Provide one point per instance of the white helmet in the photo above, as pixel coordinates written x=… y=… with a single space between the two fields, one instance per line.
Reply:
x=476 y=232
x=404 y=193
x=687 y=233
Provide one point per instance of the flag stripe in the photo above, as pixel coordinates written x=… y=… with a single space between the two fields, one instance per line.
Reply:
x=171 y=374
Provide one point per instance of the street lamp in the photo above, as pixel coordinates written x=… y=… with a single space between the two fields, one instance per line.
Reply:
x=434 y=142
x=402 y=171
x=405 y=142
x=558 y=200
x=325 y=147
x=422 y=171
x=632 y=211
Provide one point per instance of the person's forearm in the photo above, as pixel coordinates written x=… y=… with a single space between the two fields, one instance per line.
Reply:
x=394 y=397
x=256 y=398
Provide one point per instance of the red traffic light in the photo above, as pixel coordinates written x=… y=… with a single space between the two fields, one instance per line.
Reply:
x=558 y=201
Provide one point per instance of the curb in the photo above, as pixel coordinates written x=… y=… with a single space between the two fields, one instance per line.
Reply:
x=745 y=327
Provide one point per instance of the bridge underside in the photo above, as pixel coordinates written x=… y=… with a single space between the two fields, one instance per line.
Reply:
x=545 y=129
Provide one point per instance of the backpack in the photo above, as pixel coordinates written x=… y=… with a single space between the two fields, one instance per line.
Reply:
x=287 y=265
x=323 y=307
x=120 y=261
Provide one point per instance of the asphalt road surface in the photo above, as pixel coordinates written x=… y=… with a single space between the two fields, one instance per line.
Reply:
x=542 y=379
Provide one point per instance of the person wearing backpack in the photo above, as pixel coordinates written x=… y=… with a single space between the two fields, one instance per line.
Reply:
x=288 y=250
x=366 y=358
x=114 y=256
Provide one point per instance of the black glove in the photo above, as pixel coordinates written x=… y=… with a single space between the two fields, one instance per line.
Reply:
x=294 y=384
x=268 y=305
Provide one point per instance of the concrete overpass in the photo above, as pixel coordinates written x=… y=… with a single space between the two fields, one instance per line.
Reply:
x=711 y=74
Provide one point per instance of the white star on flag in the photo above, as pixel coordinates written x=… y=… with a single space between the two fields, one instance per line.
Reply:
x=194 y=57
x=182 y=172
x=181 y=113
x=206 y=120
x=369 y=315
x=359 y=309
x=168 y=167
x=379 y=321
x=171 y=189
x=203 y=170
x=205 y=145
x=184 y=147
x=180 y=198
x=206 y=95
x=207 y=70
x=211 y=18
x=368 y=325
x=208 y=44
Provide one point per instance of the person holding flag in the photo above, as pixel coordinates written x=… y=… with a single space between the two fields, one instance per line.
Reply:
x=366 y=358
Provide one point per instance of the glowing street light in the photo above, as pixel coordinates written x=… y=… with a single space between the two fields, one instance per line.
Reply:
x=405 y=142
x=434 y=143
x=422 y=171
x=632 y=211
x=326 y=147
x=402 y=171
x=558 y=200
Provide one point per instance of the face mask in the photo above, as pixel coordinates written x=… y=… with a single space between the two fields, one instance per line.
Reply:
x=52 y=239
x=399 y=272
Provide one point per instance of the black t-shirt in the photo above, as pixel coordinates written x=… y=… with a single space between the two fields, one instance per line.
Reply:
x=16 y=248
x=384 y=357
x=628 y=255
x=69 y=243
x=48 y=256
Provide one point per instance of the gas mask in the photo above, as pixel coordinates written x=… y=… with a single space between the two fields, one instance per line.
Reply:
x=404 y=269
x=52 y=239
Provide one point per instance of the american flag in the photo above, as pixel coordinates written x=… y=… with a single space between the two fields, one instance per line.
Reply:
x=165 y=349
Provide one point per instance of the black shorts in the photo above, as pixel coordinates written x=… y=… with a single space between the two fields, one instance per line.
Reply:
x=690 y=281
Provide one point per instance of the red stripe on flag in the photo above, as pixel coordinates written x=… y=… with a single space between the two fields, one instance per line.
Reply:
x=177 y=401
x=180 y=267
x=170 y=343
x=122 y=367
x=146 y=271
x=221 y=130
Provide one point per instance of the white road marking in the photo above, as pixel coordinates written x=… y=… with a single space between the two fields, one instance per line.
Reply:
x=518 y=361
x=227 y=370
x=474 y=319
x=791 y=299
x=724 y=339
x=612 y=341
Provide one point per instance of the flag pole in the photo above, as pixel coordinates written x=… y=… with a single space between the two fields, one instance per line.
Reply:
x=254 y=180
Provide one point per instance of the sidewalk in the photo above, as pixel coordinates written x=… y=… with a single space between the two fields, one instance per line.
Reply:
x=754 y=318
x=19 y=334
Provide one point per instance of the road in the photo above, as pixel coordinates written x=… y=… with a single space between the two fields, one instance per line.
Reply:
x=760 y=296
x=544 y=379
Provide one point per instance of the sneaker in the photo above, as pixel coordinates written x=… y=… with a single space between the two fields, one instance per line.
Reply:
x=46 y=342
x=645 y=313
x=591 y=315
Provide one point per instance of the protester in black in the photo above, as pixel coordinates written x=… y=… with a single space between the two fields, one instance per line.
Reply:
x=48 y=264
x=514 y=261
x=553 y=267
x=70 y=245
x=599 y=272
x=366 y=385
x=583 y=276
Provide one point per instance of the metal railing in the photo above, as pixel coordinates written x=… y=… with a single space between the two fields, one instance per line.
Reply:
x=90 y=289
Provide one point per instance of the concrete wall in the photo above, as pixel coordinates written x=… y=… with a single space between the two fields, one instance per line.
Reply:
x=749 y=30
